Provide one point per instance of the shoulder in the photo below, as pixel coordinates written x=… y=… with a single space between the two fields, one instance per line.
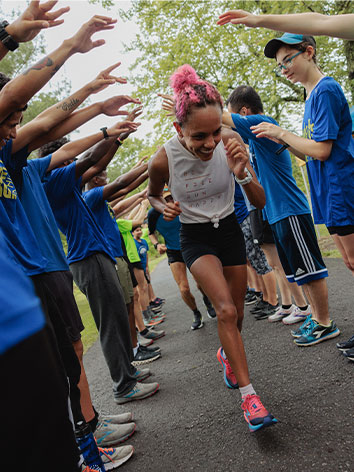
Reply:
x=158 y=164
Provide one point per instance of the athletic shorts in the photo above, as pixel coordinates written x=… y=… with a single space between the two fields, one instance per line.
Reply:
x=254 y=253
x=174 y=255
x=226 y=242
x=137 y=265
x=125 y=279
x=300 y=256
x=341 y=230
x=261 y=230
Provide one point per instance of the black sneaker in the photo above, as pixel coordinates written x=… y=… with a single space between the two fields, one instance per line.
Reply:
x=259 y=306
x=267 y=311
x=144 y=357
x=198 y=321
x=346 y=345
x=349 y=354
x=250 y=298
x=210 y=309
x=150 y=348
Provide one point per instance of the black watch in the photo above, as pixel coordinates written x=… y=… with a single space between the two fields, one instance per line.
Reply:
x=155 y=245
x=5 y=38
x=104 y=131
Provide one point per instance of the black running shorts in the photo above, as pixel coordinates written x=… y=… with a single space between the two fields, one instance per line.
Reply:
x=174 y=255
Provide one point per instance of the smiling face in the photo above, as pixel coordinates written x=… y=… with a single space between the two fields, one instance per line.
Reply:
x=138 y=232
x=8 y=128
x=201 y=133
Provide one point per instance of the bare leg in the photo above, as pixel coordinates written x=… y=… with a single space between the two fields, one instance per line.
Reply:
x=317 y=293
x=179 y=273
x=252 y=277
x=151 y=292
x=217 y=283
x=85 y=397
x=137 y=311
x=270 y=288
x=142 y=288
x=345 y=245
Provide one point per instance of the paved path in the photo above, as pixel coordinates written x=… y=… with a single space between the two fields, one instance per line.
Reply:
x=194 y=423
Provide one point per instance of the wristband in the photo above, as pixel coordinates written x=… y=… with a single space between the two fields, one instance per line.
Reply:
x=118 y=142
x=280 y=150
x=104 y=131
x=246 y=180
x=7 y=40
x=155 y=245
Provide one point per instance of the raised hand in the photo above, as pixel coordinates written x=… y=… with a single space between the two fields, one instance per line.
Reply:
x=110 y=107
x=171 y=210
x=122 y=127
x=104 y=79
x=168 y=104
x=135 y=113
x=82 y=42
x=36 y=17
x=268 y=130
x=237 y=157
x=237 y=17
x=140 y=162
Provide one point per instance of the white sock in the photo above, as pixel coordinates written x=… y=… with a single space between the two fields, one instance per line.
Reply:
x=135 y=349
x=247 y=390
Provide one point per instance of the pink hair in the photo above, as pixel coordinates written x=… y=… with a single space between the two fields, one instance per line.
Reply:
x=190 y=89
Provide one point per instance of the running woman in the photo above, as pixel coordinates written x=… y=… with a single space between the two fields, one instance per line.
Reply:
x=198 y=167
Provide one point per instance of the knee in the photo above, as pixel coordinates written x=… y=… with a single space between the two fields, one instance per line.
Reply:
x=227 y=313
x=349 y=263
x=185 y=291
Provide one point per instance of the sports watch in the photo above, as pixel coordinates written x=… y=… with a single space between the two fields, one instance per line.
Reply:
x=246 y=180
x=5 y=38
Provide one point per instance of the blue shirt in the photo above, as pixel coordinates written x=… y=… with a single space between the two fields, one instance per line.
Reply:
x=283 y=196
x=142 y=248
x=168 y=229
x=73 y=216
x=240 y=206
x=15 y=226
x=39 y=213
x=105 y=218
x=327 y=116
x=20 y=315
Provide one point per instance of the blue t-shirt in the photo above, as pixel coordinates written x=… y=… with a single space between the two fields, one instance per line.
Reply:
x=39 y=213
x=73 y=216
x=20 y=315
x=105 y=218
x=15 y=226
x=327 y=116
x=283 y=196
x=168 y=229
x=142 y=248
x=240 y=206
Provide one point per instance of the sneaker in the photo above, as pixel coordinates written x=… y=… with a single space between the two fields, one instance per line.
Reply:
x=144 y=342
x=250 y=298
x=142 y=374
x=117 y=419
x=154 y=334
x=299 y=332
x=139 y=392
x=144 y=357
x=210 y=309
x=346 y=345
x=316 y=333
x=115 y=456
x=229 y=376
x=108 y=433
x=155 y=309
x=281 y=313
x=259 y=306
x=267 y=311
x=255 y=414
x=198 y=321
x=298 y=316
x=349 y=354
x=151 y=349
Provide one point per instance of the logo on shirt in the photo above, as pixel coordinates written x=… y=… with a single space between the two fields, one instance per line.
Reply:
x=307 y=132
x=7 y=188
x=111 y=212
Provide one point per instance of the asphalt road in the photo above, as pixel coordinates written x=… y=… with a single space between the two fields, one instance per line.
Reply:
x=195 y=423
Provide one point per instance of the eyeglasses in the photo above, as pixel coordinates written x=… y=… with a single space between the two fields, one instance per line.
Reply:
x=286 y=64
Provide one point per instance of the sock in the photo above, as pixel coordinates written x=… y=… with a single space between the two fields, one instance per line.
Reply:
x=247 y=390
x=135 y=350
x=196 y=311
x=144 y=331
x=303 y=308
x=286 y=307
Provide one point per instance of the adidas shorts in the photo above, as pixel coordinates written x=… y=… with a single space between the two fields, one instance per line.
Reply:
x=299 y=253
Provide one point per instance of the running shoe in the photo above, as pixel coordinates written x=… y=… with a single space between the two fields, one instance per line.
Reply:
x=259 y=306
x=144 y=342
x=154 y=334
x=229 y=376
x=114 y=457
x=298 y=316
x=267 y=311
x=157 y=302
x=210 y=309
x=299 y=332
x=346 y=345
x=145 y=357
x=349 y=354
x=255 y=414
x=139 y=392
x=198 y=321
x=281 y=313
x=150 y=349
x=108 y=433
x=142 y=374
x=117 y=419
x=316 y=333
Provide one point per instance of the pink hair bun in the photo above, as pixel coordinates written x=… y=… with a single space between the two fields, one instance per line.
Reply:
x=183 y=77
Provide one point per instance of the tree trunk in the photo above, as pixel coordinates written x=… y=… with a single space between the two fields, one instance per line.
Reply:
x=349 y=54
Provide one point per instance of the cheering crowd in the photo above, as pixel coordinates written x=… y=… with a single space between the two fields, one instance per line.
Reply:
x=223 y=198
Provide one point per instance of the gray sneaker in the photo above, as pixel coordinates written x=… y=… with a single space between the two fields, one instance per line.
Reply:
x=143 y=356
x=115 y=456
x=117 y=419
x=142 y=374
x=139 y=392
x=107 y=433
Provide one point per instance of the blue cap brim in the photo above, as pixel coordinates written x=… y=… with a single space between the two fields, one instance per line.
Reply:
x=287 y=39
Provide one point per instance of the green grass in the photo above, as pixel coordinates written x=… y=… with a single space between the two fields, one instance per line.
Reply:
x=326 y=243
x=90 y=334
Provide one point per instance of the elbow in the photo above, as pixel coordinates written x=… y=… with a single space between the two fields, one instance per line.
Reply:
x=323 y=156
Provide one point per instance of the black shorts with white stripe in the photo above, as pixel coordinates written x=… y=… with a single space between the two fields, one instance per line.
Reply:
x=299 y=253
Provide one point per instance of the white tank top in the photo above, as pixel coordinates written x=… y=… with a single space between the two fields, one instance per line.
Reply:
x=204 y=189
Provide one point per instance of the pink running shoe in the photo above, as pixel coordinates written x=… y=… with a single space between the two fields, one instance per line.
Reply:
x=255 y=414
x=229 y=376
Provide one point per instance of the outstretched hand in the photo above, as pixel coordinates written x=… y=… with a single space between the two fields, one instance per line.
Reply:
x=237 y=17
x=168 y=104
x=111 y=106
x=237 y=157
x=140 y=162
x=171 y=210
x=268 y=130
x=36 y=17
x=82 y=42
x=122 y=127
x=135 y=113
x=104 y=79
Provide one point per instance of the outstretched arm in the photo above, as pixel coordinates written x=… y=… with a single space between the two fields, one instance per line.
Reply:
x=338 y=26
x=122 y=182
x=128 y=203
x=16 y=93
x=139 y=217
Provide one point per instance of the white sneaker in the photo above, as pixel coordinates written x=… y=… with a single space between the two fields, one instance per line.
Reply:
x=298 y=316
x=113 y=457
x=122 y=418
x=281 y=313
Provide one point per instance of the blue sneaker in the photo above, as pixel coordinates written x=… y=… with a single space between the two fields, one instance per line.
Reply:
x=299 y=332
x=229 y=376
x=316 y=333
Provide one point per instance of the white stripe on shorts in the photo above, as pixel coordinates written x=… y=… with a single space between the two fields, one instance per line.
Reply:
x=301 y=244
